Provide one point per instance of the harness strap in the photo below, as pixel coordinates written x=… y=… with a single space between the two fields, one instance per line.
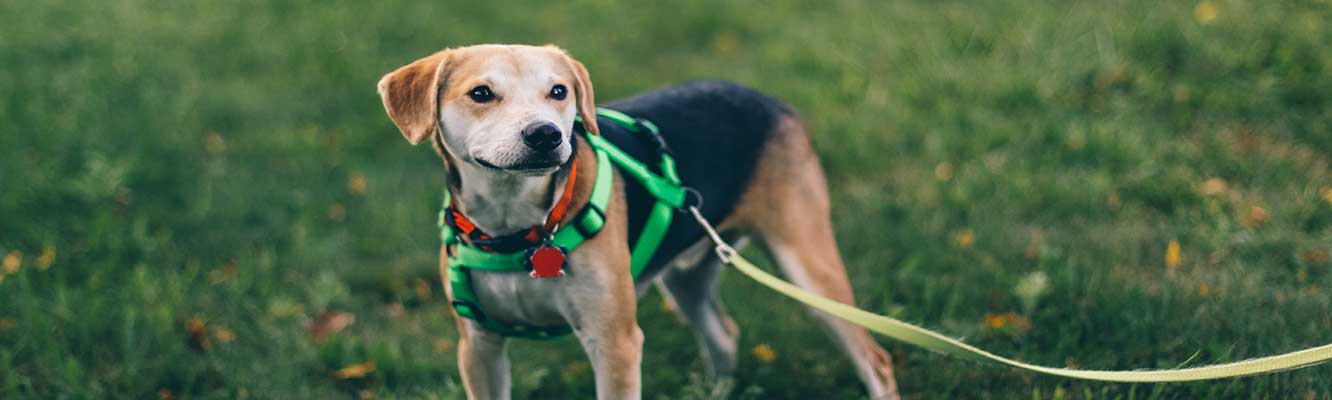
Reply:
x=666 y=189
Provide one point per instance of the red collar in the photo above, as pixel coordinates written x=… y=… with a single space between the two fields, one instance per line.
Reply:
x=521 y=240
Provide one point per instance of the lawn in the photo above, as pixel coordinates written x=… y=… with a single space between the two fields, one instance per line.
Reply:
x=206 y=200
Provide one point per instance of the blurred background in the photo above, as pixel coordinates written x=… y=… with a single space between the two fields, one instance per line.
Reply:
x=206 y=200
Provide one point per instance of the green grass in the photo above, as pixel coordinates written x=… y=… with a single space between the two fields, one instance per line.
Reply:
x=169 y=162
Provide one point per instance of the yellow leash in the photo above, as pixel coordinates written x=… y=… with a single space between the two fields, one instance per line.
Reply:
x=931 y=340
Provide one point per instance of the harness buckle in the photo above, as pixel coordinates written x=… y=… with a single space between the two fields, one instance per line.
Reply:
x=589 y=232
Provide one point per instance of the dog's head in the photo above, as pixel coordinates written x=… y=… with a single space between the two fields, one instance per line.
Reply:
x=502 y=107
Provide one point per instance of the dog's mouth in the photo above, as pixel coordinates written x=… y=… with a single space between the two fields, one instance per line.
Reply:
x=526 y=167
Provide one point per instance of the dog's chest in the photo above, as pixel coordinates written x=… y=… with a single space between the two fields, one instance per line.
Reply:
x=518 y=297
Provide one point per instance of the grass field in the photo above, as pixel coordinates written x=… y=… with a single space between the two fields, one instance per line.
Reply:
x=186 y=187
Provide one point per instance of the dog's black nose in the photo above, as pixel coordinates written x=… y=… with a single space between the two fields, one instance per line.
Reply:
x=543 y=137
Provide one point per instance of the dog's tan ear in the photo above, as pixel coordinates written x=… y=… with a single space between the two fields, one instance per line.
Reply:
x=411 y=96
x=587 y=105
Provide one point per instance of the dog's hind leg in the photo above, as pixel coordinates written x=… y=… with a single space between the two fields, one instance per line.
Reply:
x=788 y=206
x=691 y=283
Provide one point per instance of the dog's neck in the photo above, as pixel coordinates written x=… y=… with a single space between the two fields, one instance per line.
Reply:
x=502 y=203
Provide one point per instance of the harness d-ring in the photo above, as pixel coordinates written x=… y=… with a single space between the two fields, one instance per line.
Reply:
x=692 y=199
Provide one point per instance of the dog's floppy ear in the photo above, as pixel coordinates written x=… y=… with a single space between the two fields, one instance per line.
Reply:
x=587 y=105
x=411 y=96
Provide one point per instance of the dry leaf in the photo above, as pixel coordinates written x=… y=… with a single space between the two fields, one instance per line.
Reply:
x=1112 y=201
x=725 y=43
x=1009 y=319
x=328 y=324
x=574 y=370
x=964 y=238
x=1314 y=256
x=396 y=310
x=1256 y=217
x=764 y=353
x=337 y=212
x=422 y=289
x=47 y=257
x=1213 y=187
x=215 y=143
x=13 y=261
x=1173 y=256
x=943 y=171
x=355 y=370
x=1205 y=12
x=194 y=327
x=224 y=334
x=443 y=345
x=356 y=184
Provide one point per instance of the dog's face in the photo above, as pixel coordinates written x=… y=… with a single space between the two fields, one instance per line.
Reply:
x=501 y=107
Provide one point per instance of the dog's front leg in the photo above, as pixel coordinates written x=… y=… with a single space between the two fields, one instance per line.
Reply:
x=605 y=321
x=615 y=348
x=483 y=362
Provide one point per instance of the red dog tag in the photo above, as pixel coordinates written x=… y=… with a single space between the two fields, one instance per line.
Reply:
x=547 y=262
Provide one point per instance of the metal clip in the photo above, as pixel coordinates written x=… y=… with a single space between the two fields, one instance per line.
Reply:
x=724 y=251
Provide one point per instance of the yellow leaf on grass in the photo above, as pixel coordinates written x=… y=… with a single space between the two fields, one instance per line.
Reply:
x=764 y=353
x=1019 y=324
x=1314 y=256
x=329 y=323
x=355 y=370
x=1205 y=12
x=725 y=43
x=47 y=257
x=943 y=171
x=422 y=288
x=964 y=238
x=1255 y=217
x=356 y=184
x=1213 y=187
x=443 y=345
x=198 y=337
x=1173 y=256
x=1112 y=201
x=1327 y=195
x=13 y=261
x=214 y=143
x=224 y=334
x=7 y=323
x=337 y=212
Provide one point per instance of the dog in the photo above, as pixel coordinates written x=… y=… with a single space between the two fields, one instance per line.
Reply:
x=502 y=118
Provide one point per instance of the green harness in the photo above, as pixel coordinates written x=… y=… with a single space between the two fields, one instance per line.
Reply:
x=665 y=188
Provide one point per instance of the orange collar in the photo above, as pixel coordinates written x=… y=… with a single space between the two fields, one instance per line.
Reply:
x=520 y=240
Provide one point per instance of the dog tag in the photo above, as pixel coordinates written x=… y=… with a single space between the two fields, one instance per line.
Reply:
x=547 y=261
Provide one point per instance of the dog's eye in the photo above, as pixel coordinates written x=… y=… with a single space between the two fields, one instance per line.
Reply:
x=559 y=92
x=481 y=94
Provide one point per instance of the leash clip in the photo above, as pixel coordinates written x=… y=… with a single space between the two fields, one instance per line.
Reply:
x=724 y=251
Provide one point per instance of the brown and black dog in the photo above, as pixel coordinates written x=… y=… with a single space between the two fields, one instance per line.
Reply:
x=502 y=118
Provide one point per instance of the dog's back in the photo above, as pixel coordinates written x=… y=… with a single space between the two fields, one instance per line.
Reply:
x=716 y=131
